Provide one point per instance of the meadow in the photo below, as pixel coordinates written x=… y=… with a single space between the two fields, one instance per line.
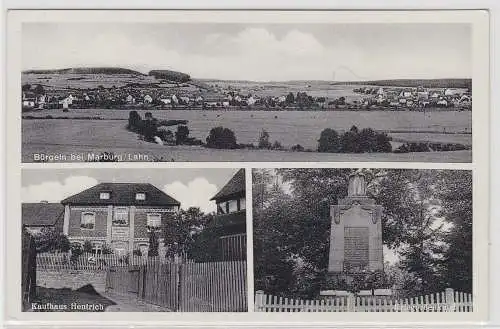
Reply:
x=288 y=128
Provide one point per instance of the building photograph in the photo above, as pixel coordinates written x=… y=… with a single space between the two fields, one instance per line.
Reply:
x=183 y=230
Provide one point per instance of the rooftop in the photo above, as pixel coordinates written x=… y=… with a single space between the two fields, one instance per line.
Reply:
x=42 y=214
x=235 y=186
x=122 y=194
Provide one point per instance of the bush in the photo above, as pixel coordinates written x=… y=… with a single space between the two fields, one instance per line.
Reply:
x=134 y=121
x=76 y=251
x=137 y=252
x=264 y=140
x=277 y=146
x=106 y=249
x=181 y=135
x=87 y=246
x=221 y=138
x=329 y=141
x=49 y=239
x=297 y=148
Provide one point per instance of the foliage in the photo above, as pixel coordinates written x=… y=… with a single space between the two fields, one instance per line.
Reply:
x=292 y=228
x=221 y=138
x=26 y=87
x=180 y=232
x=50 y=239
x=264 y=142
x=137 y=252
x=329 y=141
x=153 y=244
x=354 y=141
x=87 y=246
x=181 y=135
x=297 y=148
x=134 y=121
x=76 y=251
x=106 y=249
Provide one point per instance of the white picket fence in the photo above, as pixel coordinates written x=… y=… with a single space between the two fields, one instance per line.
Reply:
x=447 y=301
x=90 y=261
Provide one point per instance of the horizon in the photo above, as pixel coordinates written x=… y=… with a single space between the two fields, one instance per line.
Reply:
x=235 y=80
x=257 y=52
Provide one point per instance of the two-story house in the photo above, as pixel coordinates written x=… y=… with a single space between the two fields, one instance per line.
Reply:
x=230 y=221
x=122 y=215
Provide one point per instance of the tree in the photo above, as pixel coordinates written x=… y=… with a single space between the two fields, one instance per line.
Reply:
x=264 y=142
x=39 y=90
x=87 y=246
x=181 y=233
x=456 y=196
x=182 y=134
x=221 y=138
x=290 y=98
x=291 y=229
x=50 y=240
x=329 y=141
x=26 y=87
x=153 y=244
x=134 y=121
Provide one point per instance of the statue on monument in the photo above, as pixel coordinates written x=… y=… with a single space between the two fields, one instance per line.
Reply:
x=357 y=184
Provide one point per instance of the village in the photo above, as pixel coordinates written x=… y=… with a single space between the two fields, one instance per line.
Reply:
x=188 y=96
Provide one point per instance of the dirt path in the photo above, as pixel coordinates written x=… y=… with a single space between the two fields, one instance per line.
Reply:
x=125 y=303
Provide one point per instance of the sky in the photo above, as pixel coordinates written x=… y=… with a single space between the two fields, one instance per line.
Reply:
x=259 y=52
x=191 y=187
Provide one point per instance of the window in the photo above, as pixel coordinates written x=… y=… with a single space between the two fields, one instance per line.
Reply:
x=120 y=217
x=232 y=206
x=140 y=196
x=242 y=203
x=104 y=195
x=153 y=222
x=87 y=221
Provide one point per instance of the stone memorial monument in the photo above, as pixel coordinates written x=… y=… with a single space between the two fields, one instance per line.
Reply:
x=356 y=233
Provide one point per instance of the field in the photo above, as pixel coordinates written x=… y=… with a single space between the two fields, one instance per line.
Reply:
x=288 y=128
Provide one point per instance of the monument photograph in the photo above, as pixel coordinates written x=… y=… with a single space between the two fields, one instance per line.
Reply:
x=362 y=240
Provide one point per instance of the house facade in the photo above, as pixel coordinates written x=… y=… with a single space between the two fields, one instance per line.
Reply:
x=120 y=215
x=230 y=221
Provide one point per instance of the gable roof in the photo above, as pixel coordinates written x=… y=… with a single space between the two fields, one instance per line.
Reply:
x=235 y=186
x=122 y=194
x=43 y=214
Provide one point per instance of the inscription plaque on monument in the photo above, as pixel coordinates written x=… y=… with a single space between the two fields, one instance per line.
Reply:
x=356 y=231
x=356 y=248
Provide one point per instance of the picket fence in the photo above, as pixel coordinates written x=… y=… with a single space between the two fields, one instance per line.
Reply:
x=447 y=301
x=184 y=287
x=92 y=262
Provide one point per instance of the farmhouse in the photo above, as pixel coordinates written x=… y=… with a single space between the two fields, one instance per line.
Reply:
x=122 y=215
x=36 y=216
x=229 y=225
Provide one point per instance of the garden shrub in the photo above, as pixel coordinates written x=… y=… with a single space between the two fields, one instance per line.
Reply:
x=221 y=138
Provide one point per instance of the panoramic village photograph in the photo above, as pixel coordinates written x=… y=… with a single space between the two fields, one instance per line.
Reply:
x=134 y=240
x=362 y=240
x=246 y=92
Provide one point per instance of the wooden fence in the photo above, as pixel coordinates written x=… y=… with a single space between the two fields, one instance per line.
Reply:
x=448 y=301
x=28 y=271
x=214 y=287
x=185 y=287
x=92 y=262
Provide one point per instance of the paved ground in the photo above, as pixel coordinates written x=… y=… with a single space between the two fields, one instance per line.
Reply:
x=125 y=303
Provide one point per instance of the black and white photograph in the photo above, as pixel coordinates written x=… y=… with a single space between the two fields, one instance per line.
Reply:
x=209 y=91
x=363 y=240
x=134 y=240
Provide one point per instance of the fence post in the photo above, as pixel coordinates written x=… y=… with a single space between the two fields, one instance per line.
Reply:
x=179 y=287
x=259 y=300
x=450 y=300
x=351 y=303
